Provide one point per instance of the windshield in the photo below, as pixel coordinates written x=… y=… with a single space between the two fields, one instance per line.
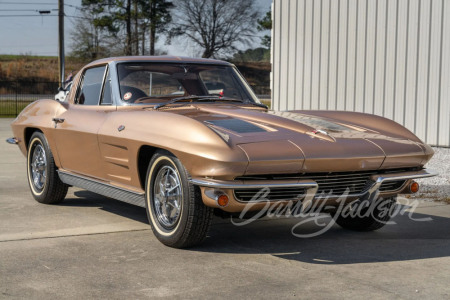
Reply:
x=156 y=83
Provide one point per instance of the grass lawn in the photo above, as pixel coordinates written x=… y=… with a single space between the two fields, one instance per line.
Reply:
x=266 y=102
x=8 y=108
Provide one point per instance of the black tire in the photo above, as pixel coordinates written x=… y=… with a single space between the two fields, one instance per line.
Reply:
x=43 y=179
x=177 y=215
x=370 y=218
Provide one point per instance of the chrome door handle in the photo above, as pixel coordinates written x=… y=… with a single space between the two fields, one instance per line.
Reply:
x=58 y=120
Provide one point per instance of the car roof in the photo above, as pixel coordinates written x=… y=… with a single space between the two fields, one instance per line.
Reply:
x=161 y=59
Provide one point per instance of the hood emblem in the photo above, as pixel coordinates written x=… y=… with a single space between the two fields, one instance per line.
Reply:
x=121 y=127
x=320 y=131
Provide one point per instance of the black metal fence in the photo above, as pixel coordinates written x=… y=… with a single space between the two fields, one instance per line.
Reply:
x=16 y=95
x=262 y=90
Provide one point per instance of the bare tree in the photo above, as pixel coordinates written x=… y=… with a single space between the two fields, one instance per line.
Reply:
x=123 y=25
x=216 y=25
x=88 y=40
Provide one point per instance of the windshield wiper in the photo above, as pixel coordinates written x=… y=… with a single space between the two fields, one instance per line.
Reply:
x=197 y=98
x=209 y=98
x=256 y=104
x=192 y=97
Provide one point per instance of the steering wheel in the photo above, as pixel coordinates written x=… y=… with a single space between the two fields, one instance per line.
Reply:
x=131 y=94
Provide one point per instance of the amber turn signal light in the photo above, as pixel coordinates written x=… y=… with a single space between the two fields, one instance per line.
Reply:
x=414 y=187
x=222 y=200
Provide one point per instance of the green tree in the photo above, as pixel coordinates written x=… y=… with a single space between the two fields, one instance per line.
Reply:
x=157 y=16
x=264 y=24
x=111 y=15
x=88 y=39
x=130 y=19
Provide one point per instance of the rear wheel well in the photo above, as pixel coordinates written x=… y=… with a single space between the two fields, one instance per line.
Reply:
x=28 y=133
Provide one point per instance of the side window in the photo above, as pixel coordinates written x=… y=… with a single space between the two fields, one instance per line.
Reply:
x=106 y=93
x=89 y=92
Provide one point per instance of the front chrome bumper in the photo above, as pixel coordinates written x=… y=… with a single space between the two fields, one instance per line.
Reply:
x=379 y=179
x=239 y=184
x=310 y=186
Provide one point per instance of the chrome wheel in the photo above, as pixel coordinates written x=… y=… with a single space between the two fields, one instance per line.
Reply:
x=43 y=179
x=167 y=197
x=38 y=166
x=174 y=206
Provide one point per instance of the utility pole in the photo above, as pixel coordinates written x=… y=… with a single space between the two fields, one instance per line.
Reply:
x=61 y=41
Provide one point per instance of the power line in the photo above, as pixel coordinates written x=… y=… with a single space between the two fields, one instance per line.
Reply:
x=70 y=5
x=32 y=3
x=77 y=17
x=7 y=16
x=46 y=15
x=28 y=3
x=36 y=10
x=35 y=46
x=17 y=10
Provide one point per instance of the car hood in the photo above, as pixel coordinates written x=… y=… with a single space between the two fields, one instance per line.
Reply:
x=288 y=142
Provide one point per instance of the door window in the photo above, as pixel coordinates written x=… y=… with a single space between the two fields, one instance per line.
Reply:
x=89 y=92
x=106 y=93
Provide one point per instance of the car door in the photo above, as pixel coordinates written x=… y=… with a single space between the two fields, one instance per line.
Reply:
x=76 y=128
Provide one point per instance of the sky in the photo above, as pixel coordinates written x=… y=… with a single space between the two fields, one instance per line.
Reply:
x=24 y=31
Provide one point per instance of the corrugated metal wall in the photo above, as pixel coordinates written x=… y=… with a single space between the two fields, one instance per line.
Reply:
x=386 y=57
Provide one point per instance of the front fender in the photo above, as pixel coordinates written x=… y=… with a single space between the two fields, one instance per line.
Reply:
x=202 y=151
x=38 y=115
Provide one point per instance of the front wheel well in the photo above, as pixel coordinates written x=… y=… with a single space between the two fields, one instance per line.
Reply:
x=28 y=133
x=145 y=155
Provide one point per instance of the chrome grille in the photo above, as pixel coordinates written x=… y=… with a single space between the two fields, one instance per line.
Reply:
x=392 y=185
x=274 y=194
x=338 y=182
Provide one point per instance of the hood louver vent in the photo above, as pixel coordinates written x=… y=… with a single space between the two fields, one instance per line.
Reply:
x=236 y=125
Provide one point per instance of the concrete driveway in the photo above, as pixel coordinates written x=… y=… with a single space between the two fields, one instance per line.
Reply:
x=93 y=247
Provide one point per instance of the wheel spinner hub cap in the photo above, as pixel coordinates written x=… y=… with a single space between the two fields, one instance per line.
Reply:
x=39 y=167
x=167 y=197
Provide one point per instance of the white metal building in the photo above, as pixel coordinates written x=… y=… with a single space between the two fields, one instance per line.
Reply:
x=386 y=57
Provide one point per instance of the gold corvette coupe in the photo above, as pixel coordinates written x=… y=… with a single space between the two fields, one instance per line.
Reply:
x=187 y=138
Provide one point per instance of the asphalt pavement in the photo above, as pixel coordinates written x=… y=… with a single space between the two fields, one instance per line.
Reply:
x=92 y=247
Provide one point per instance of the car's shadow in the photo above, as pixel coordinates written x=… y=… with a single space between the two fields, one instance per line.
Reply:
x=408 y=239
x=89 y=199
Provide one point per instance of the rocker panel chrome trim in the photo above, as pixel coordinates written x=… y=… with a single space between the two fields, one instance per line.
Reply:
x=103 y=188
